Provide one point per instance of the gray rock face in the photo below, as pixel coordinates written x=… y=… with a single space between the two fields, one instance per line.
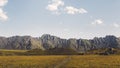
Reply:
x=47 y=41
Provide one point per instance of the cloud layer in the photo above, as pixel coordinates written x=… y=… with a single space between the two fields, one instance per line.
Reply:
x=116 y=25
x=73 y=10
x=97 y=22
x=3 y=15
x=56 y=6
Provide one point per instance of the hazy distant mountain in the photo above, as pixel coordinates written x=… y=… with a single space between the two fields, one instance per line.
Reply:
x=46 y=42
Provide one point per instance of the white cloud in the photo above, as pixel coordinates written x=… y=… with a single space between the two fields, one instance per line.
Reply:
x=3 y=2
x=54 y=5
x=3 y=15
x=116 y=25
x=97 y=22
x=58 y=7
x=73 y=10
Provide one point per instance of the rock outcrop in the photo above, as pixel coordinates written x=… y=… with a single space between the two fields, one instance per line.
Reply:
x=46 y=42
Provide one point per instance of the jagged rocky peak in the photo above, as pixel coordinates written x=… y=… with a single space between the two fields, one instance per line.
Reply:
x=45 y=35
x=48 y=41
x=110 y=37
x=49 y=37
x=107 y=36
x=20 y=37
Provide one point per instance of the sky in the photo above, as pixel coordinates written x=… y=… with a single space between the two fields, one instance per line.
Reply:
x=63 y=18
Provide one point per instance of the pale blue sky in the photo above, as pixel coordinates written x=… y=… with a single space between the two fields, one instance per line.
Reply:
x=37 y=17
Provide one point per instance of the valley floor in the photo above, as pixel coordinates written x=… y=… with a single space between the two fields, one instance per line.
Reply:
x=75 y=61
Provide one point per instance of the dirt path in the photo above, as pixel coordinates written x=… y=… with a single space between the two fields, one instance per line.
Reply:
x=63 y=62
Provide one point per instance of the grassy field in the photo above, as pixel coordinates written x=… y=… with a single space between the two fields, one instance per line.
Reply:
x=85 y=61
x=93 y=61
x=4 y=52
x=30 y=61
x=19 y=59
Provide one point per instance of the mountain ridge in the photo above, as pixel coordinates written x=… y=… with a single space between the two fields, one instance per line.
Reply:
x=47 y=41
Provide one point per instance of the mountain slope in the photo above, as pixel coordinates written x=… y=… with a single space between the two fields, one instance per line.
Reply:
x=46 y=42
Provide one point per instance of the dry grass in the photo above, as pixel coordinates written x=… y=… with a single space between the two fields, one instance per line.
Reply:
x=30 y=61
x=94 y=61
x=13 y=50
x=85 y=61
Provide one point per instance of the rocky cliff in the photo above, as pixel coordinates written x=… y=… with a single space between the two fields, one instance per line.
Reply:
x=46 y=42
